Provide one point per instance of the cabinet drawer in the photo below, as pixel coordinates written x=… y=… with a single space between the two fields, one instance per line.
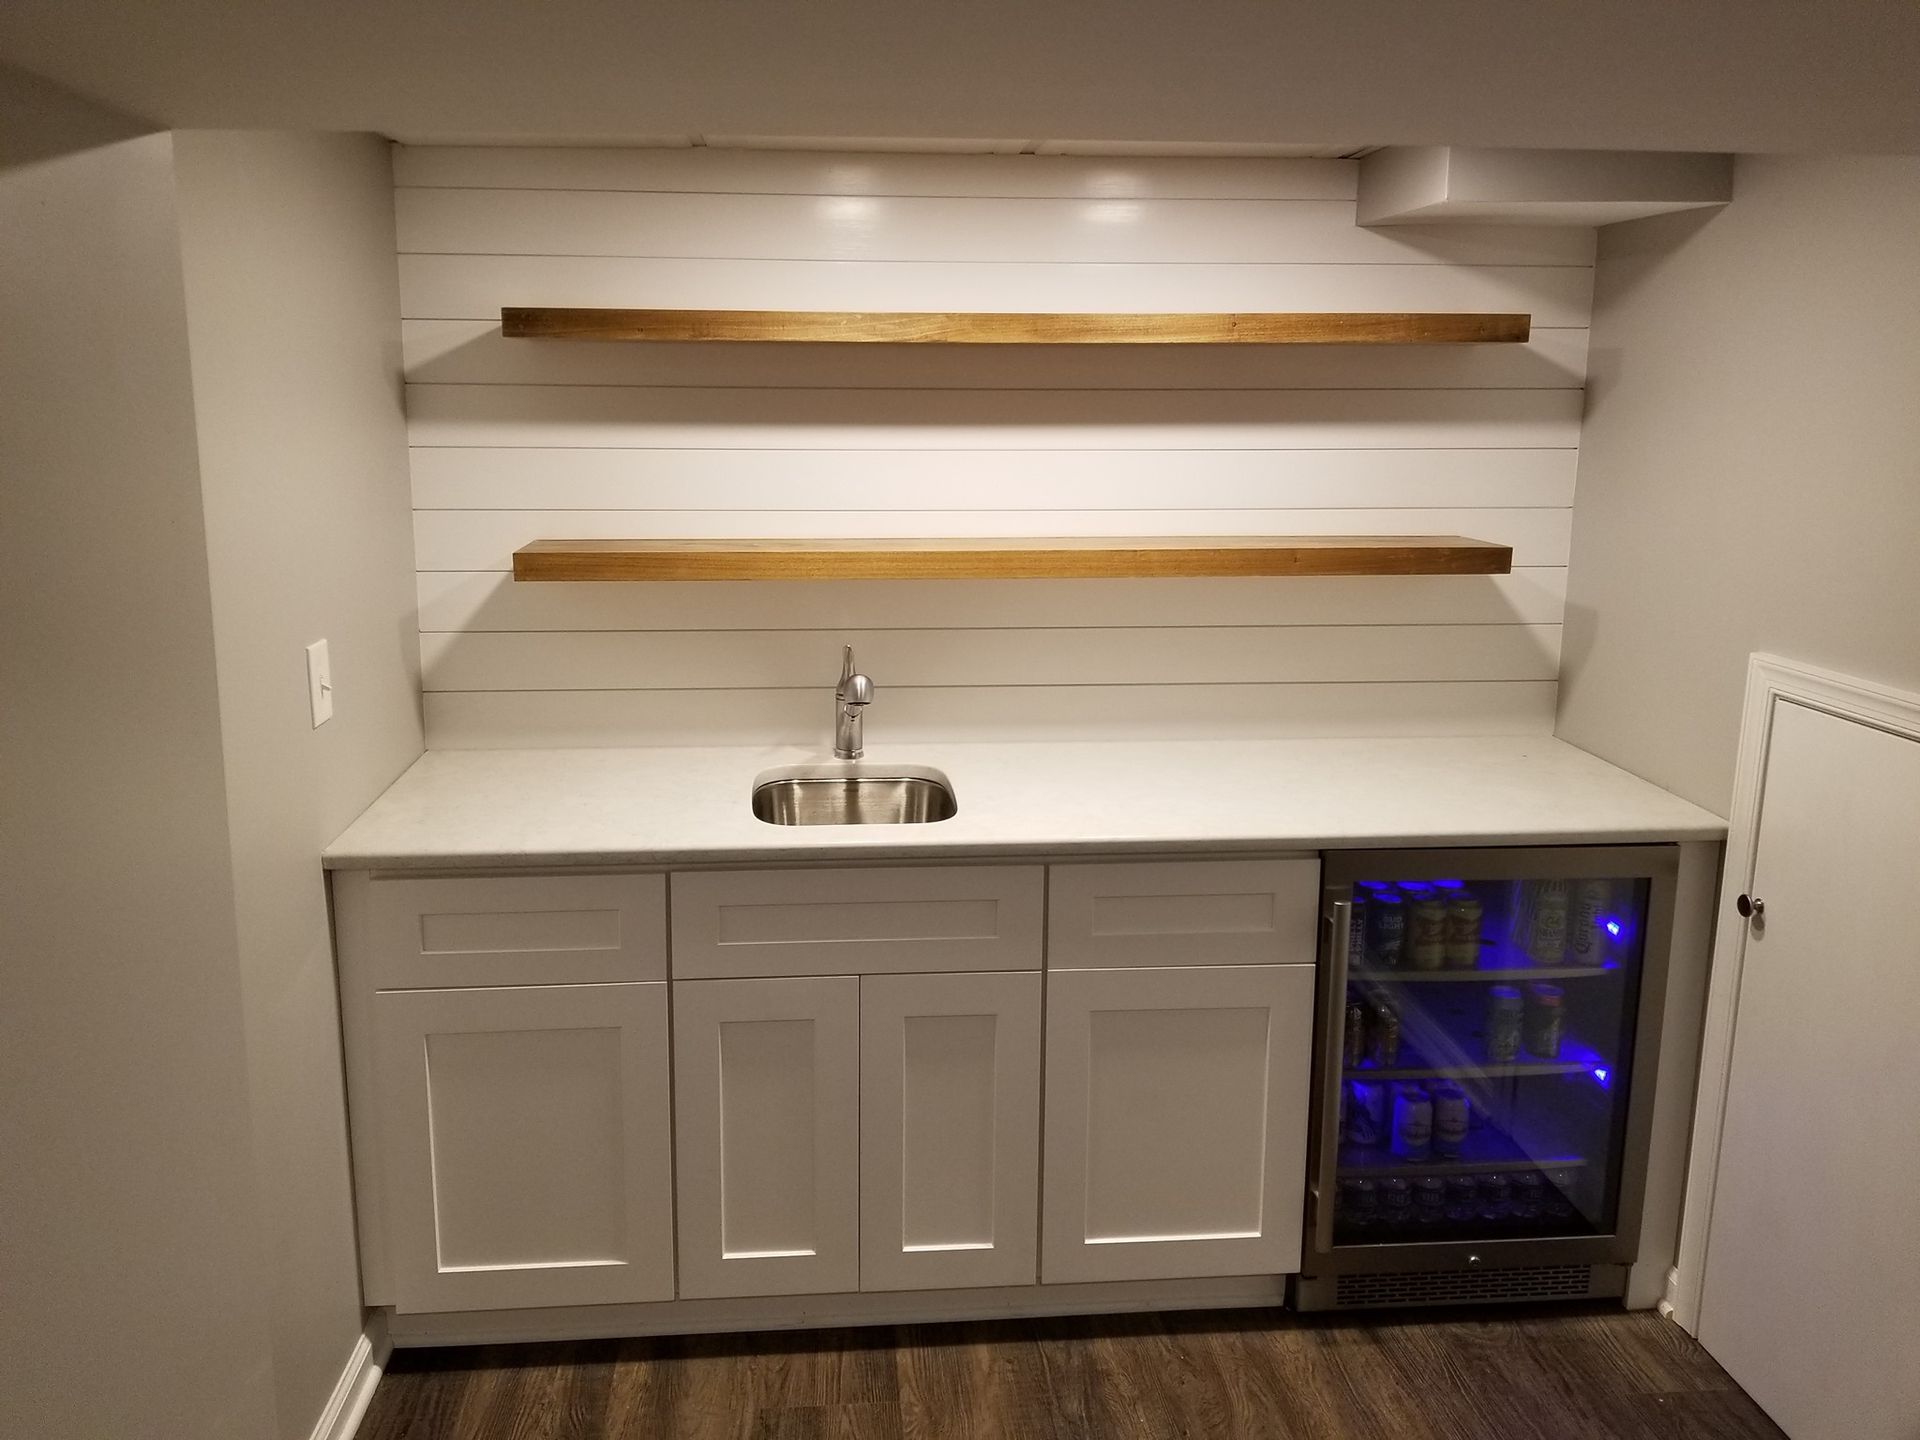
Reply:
x=1198 y=912
x=515 y=930
x=747 y=923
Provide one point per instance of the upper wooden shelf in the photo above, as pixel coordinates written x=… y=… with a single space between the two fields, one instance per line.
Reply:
x=1075 y=558
x=858 y=327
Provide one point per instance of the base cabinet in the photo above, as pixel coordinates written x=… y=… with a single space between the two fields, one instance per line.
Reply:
x=767 y=1110
x=526 y=1145
x=542 y=1118
x=1176 y=1121
x=949 y=1130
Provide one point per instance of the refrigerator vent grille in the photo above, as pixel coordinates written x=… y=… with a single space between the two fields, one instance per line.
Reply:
x=1440 y=1287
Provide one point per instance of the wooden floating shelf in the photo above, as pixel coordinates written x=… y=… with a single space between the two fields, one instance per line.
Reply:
x=1100 y=558
x=860 y=327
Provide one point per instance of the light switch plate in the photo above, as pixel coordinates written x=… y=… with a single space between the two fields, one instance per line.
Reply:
x=319 y=683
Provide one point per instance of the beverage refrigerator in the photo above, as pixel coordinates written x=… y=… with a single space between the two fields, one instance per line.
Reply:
x=1486 y=1041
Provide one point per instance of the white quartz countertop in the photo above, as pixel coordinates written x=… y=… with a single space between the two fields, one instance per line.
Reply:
x=503 y=808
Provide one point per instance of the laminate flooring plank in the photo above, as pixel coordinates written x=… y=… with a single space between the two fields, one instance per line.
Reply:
x=1548 y=1374
x=869 y=1420
x=971 y=1380
x=1705 y=1415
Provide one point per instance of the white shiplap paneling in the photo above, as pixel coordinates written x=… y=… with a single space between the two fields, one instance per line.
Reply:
x=489 y=600
x=518 y=440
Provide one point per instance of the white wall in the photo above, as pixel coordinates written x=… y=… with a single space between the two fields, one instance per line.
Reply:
x=1750 y=466
x=293 y=323
x=133 y=1296
x=516 y=440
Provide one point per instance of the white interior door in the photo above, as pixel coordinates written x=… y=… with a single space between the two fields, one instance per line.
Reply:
x=1811 y=1296
x=949 y=1130
x=526 y=1145
x=1176 y=1127
x=767 y=1135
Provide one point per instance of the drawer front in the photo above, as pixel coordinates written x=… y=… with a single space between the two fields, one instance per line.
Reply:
x=1198 y=912
x=748 y=923
x=516 y=930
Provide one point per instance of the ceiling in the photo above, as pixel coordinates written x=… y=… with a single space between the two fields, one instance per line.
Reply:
x=1239 y=75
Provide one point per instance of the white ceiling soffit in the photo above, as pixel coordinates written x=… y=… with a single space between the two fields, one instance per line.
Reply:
x=1428 y=184
x=1704 y=75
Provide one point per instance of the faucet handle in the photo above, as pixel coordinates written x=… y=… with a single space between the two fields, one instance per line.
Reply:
x=846 y=669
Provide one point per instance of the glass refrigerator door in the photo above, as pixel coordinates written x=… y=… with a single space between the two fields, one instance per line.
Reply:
x=1487 y=1037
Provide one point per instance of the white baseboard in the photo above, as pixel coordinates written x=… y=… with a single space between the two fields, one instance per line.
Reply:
x=354 y=1390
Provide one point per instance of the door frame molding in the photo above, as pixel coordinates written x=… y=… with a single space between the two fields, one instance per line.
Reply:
x=1770 y=679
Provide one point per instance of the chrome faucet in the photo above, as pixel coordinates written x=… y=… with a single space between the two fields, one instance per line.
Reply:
x=851 y=698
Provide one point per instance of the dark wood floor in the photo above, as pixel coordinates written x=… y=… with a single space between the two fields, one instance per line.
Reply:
x=1510 y=1374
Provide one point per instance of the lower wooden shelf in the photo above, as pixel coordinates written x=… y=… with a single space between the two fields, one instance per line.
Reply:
x=1067 y=558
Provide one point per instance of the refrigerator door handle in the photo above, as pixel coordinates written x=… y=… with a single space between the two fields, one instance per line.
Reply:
x=1334 y=1069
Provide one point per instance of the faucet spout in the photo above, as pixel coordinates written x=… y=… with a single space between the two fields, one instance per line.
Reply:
x=851 y=697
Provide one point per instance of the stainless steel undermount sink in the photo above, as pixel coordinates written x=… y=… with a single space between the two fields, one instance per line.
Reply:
x=851 y=793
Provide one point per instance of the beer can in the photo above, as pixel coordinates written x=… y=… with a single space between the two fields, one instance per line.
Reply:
x=1353 y=1041
x=1547 y=922
x=1463 y=1197
x=1427 y=934
x=1504 y=1010
x=1357 y=931
x=1463 y=932
x=1586 y=941
x=1368 y=1111
x=1429 y=1200
x=1529 y=1195
x=1543 y=1021
x=1412 y=1123
x=1386 y=929
x=1384 y=1036
x=1396 y=1199
x=1450 y=1112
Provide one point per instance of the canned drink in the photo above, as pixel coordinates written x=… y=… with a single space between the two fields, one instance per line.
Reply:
x=1504 y=1010
x=1396 y=1199
x=1450 y=1111
x=1353 y=1199
x=1368 y=1112
x=1463 y=1197
x=1427 y=934
x=1353 y=1040
x=1386 y=929
x=1412 y=1123
x=1357 y=931
x=1429 y=1199
x=1496 y=1197
x=1529 y=1195
x=1559 y=1195
x=1384 y=1039
x=1586 y=941
x=1547 y=923
x=1361 y=1203
x=1543 y=1021
x=1463 y=932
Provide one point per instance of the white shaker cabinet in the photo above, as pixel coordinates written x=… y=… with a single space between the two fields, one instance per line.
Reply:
x=526 y=1141
x=950 y=1130
x=767 y=1135
x=1179 y=1066
x=1177 y=1107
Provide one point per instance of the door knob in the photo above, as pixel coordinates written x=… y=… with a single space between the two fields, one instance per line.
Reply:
x=1751 y=907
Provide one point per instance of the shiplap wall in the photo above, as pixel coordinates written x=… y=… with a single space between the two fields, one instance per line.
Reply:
x=514 y=440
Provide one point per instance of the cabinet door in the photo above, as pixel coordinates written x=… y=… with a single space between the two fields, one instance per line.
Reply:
x=949 y=1130
x=1176 y=1121
x=526 y=1145
x=767 y=1137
